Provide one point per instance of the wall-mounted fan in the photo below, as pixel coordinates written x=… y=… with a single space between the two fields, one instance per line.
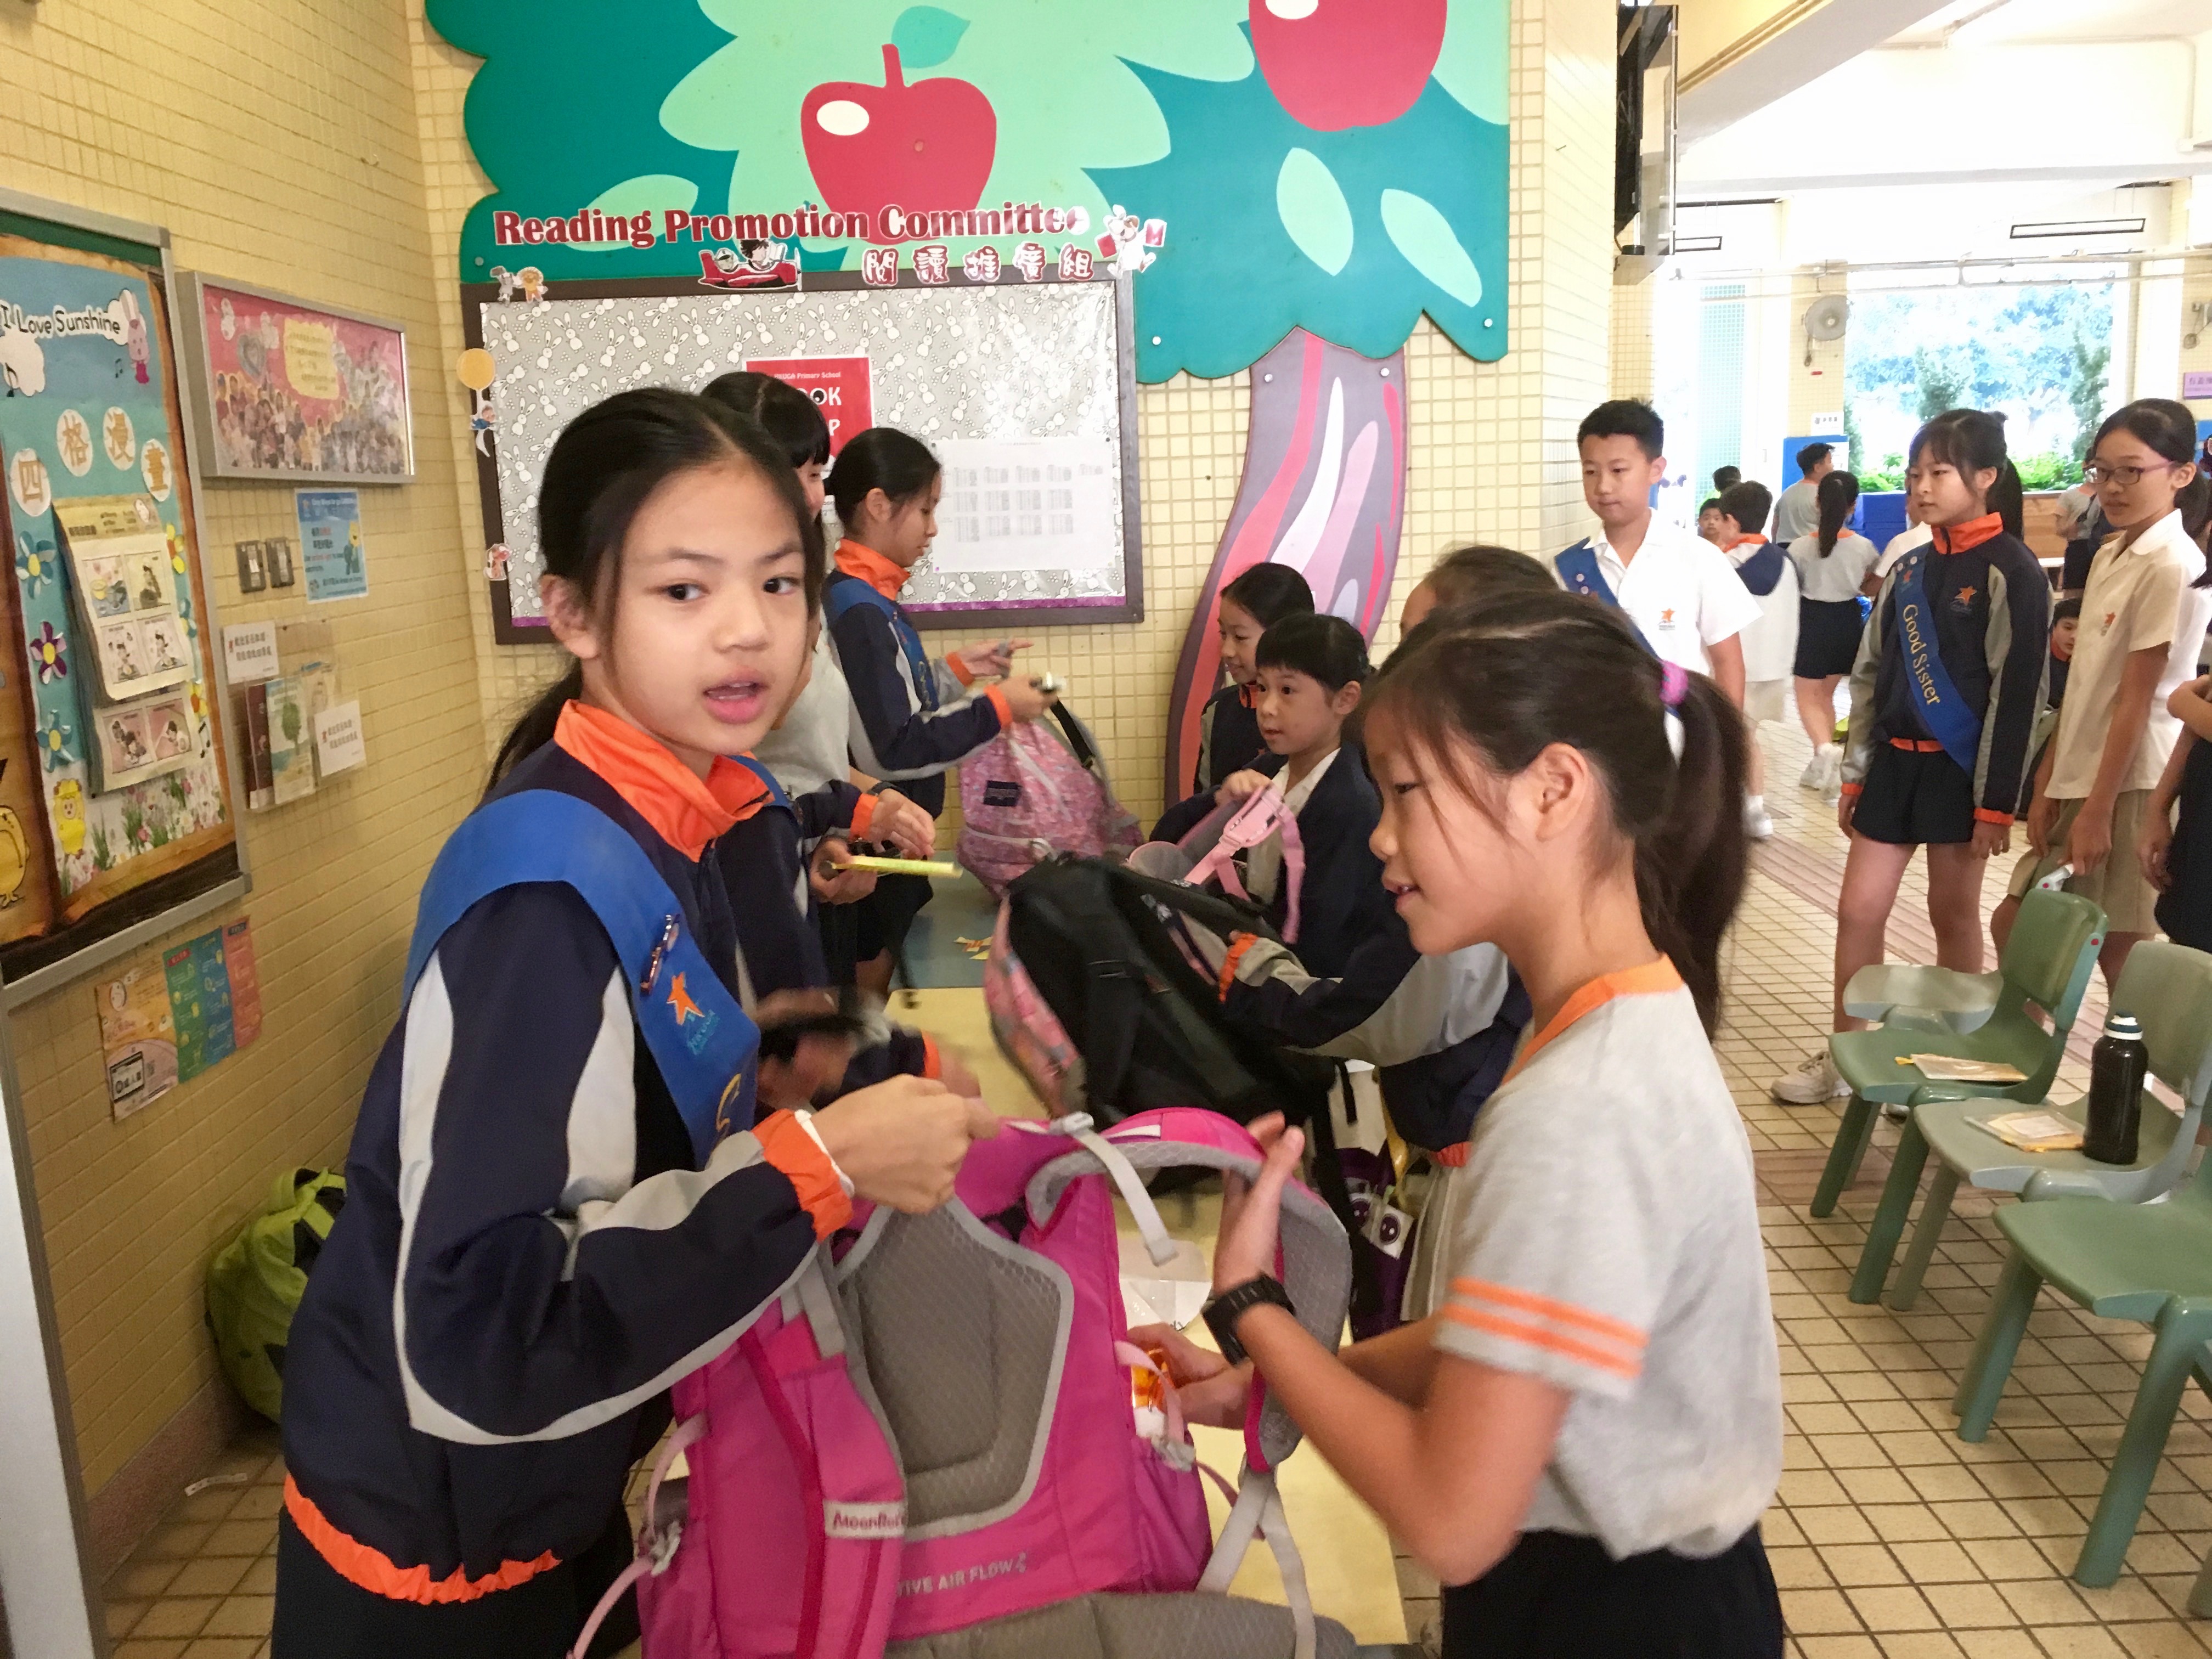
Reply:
x=1823 y=320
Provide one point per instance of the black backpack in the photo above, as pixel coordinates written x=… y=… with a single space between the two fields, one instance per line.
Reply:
x=1099 y=942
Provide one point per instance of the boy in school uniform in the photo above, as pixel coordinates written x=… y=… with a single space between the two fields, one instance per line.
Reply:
x=1682 y=593
x=1770 y=645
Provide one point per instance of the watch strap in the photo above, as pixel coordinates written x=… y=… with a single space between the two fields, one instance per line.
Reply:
x=1223 y=1313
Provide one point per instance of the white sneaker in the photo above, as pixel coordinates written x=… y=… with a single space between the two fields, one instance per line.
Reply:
x=1757 y=825
x=1816 y=769
x=1816 y=1080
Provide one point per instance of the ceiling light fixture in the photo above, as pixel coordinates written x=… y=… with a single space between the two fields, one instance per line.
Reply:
x=2053 y=228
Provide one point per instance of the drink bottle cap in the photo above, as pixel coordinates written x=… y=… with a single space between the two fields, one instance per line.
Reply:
x=2122 y=1025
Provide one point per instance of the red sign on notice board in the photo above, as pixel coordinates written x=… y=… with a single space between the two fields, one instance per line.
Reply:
x=839 y=385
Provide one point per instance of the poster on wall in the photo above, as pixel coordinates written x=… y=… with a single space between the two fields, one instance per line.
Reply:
x=330 y=543
x=282 y=388
x=842 y=388
x=96 y=470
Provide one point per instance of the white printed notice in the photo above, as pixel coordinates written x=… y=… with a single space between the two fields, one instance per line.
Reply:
x=1027 y=504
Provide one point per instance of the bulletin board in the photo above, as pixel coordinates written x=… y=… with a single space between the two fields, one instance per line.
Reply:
x=1026 y=389
x=116 y=817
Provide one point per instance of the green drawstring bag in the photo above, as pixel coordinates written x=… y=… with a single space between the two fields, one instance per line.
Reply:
x=256 y=1281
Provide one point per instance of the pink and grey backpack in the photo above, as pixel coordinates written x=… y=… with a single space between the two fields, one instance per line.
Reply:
x=1034 y=790
x=931 y=1446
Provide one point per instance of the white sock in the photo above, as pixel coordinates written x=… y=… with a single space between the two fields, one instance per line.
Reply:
x=1754 y=804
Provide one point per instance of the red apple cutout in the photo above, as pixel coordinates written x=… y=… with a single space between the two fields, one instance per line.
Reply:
x=926 y=146
x=1339 y=64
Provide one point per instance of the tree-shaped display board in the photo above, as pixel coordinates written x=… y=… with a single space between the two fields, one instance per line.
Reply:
x=1302 y=179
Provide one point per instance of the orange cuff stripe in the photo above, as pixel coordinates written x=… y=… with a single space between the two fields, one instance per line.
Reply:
x=1983 y=815
x=961 y=672
x=864 y=814
x=1239 y=948
x=377 y=1573
x=1560 y=1313
x=1536 y=1336
x=933 y=1062
x=1005 y=709
x=1853 y=789
x=785 y=1143
x=1456 y=1157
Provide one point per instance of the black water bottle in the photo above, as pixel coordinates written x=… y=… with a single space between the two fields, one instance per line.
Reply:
x=2119 y=1065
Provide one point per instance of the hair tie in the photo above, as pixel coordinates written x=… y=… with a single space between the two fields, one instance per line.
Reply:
x=1674 y=686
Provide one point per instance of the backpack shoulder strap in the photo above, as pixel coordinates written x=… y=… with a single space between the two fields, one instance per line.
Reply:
x=701 y=1041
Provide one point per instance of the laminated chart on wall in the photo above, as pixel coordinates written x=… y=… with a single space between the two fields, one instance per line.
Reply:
x=1023 y=390
x=112 y=667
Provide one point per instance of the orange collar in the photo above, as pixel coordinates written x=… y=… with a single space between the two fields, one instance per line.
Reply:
x=684 y=810
x=1754 y=539
x=1653 y=976
x=1244 y=695
x=1958 y=538
x=870 y=566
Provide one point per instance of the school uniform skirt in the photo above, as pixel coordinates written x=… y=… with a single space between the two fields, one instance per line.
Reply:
x=1828 y=632
x=1560 y=1597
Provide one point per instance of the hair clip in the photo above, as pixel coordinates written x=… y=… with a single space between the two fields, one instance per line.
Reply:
x=1674 y=686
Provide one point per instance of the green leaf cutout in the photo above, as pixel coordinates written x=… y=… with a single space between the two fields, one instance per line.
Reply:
x=1313 y=209
x=926 y=35
x=1425 y=236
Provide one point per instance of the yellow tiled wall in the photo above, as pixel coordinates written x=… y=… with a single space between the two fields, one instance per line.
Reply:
x=315 y=146
x=1492 y=452
x=277 y=140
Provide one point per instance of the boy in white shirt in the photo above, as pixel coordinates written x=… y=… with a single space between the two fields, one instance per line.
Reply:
x=1682 y=593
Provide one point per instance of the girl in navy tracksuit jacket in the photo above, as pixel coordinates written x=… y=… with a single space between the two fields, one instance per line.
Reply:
x=1310 y=669
x=916 y=718
x=1229 y=737
x=542 y=1228
x=1944 y=699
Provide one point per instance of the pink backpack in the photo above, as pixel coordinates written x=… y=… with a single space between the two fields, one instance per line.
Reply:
x=934 y=1433
x=1032 y=792
x=1209 y=852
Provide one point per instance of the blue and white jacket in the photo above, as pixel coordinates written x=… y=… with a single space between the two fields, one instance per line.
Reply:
x=917 y=716
x=534 y=1244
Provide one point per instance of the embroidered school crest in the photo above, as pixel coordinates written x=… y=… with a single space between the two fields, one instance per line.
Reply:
x=1665 y=619
x=2111 y=616
x=1964 y=598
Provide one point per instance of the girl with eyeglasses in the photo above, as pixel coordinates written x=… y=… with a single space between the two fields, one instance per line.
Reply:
x=2099 y=791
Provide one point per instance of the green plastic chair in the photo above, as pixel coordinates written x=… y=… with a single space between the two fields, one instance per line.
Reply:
x=2047 y=962
x=2151 y=1262
x=2169 y=988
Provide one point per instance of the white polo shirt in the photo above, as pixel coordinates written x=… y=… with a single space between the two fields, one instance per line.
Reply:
x=1681 y=590
x=2138 y=596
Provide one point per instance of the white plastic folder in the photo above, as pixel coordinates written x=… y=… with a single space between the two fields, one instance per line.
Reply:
x=1953 y=1068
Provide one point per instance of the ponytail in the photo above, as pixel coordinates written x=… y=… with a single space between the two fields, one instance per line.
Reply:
x=2008 y=500
x=1839 y=494
x=535 y=729
x=1512 y=675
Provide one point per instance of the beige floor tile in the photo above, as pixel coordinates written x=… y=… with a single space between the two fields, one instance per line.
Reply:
x=1857 y=1564
x=1895 y=1607
x=1920 y=1644
x=1817 y=1612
